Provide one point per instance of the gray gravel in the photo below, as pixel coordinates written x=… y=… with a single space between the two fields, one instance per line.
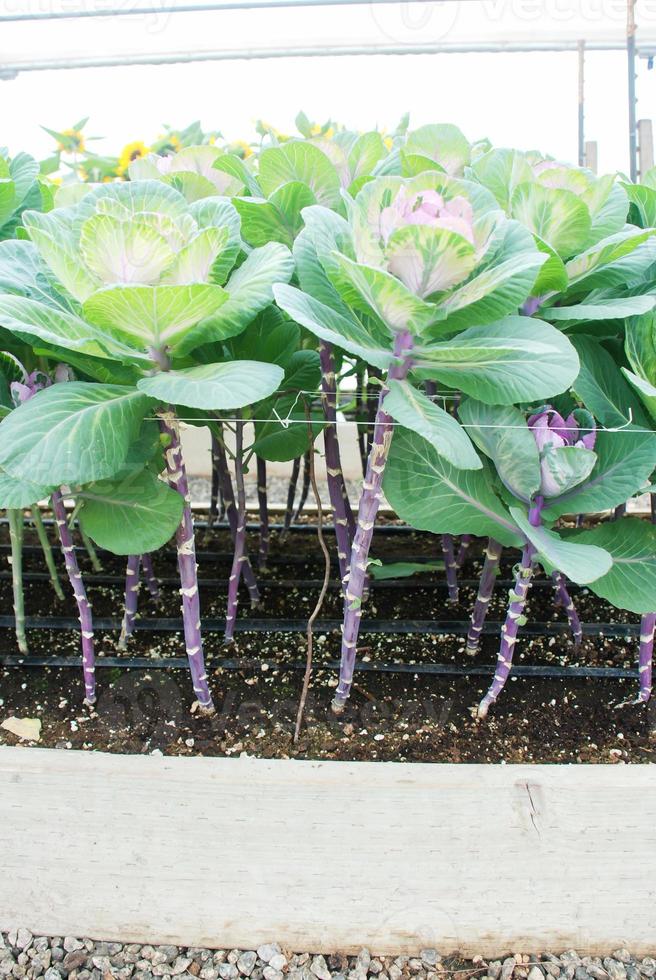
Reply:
x=25 y=956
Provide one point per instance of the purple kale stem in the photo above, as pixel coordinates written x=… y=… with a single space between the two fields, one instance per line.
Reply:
x=342 y=515
x=291 y=494
x=131 y=599
x=263 y=505
x=532 y=305
x=463 y=550
x=450 y=567
x=509 y=629
x=149 y=575
x=523 y=576
x=374 y=375
x=369 y=503
x=647 y=625
x=485 y=590
x=228 y=494
x=564 y=599
x=239 y=555
x=535 y=511
x=83 y=604
x=305 y=487
x=186 y=545
x=619 y=512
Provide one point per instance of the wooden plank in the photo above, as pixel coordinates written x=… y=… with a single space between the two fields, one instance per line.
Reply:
x=327 y=856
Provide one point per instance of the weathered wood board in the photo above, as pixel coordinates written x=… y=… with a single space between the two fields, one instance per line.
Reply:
x=328 y=856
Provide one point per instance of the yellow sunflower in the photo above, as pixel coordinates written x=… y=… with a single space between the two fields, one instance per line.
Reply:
x=326 y=133
x=266 y=129
x=167 y=143
x=241 y=149
x=72 y=141
x=129 y=153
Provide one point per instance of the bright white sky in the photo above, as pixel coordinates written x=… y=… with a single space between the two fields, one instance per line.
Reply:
x=524 y=100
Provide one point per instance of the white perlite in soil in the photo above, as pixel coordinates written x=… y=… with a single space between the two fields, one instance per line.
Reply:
x=23 y=955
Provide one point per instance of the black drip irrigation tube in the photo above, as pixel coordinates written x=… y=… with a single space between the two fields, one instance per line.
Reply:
x=416 y=627
x=265 y=583
x=250 y=663
x=204 y=556
x=307 y=528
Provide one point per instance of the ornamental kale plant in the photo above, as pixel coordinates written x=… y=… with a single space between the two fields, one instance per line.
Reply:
x=423 y=281
x=15 y=495
x=512 y=504
x=20 y=189
x=287 y=179
x=558 y=471
x=124 y=286
x=565 y=458
x=619 y=393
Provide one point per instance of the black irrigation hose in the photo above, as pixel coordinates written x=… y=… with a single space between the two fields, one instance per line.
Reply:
x=250 y=526
x=421 y=627
x=444 y=670
x=394 y=627
x=410 y=583
x=282 y=558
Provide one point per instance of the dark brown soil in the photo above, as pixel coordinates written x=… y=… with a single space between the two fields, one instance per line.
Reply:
x=402 y=717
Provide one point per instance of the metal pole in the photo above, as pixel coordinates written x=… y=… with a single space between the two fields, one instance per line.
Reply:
x=9 y=70
x=188 y=8
x=645 y=146
x=581 y=52
x=631 y=67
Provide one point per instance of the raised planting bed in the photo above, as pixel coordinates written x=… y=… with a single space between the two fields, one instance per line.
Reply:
x=483 y=319
x=328 y=856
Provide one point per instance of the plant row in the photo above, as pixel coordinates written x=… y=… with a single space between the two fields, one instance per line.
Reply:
x=491 y=309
